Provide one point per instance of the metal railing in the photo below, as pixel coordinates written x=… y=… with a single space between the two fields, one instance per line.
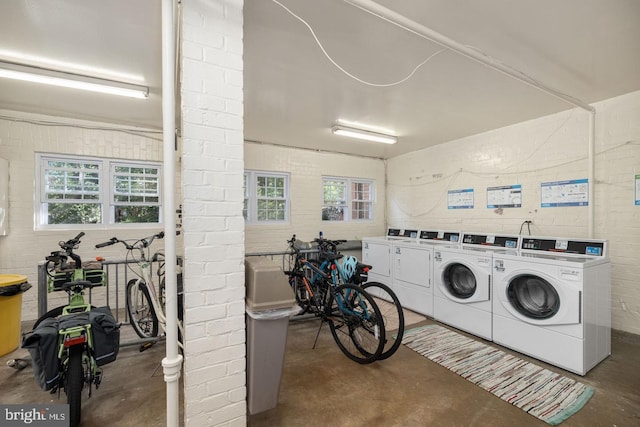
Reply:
x=118 y=275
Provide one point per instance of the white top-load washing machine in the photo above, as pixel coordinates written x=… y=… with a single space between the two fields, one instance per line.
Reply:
x=462 y=281
x=553 y=301
x=376 y=251
x=412 y=268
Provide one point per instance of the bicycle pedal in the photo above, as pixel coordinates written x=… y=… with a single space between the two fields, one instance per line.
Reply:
x=98 y=378
x=146 y=346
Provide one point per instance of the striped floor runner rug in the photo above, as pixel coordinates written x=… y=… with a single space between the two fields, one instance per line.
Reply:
x=546 y=395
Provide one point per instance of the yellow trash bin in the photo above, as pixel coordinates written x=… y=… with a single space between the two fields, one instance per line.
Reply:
x=12 y=287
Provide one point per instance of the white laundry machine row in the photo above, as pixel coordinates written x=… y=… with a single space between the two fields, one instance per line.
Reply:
x=463 y=282
x=376 y=251
x=553 y=301
x=404 y=263
x=412 y=268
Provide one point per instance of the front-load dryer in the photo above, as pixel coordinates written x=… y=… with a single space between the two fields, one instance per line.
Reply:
x=463 y=282
x=412 y=268
x=553 y=301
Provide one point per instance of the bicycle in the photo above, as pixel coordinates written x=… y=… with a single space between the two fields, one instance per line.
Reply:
x=145 y=305
x=69 y=343
x=354 y=319
x=350 y=270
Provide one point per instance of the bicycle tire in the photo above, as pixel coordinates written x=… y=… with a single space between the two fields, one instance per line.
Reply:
x=142 y=315
x=74 y=383
x=357 y=327
x=393 y=316
x=300 y=293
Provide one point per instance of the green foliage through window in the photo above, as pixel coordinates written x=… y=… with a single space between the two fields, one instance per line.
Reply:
x=98 y=191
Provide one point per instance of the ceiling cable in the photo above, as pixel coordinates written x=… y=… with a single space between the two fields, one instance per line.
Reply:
x=345 y=71
x=435 y=37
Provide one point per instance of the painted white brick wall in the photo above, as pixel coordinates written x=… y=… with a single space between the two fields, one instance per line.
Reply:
x=21 y=137
x=551 y=148
x=306 y=169
x=212 y=162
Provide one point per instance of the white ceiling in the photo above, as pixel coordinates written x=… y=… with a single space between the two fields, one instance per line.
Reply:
x=589 y=49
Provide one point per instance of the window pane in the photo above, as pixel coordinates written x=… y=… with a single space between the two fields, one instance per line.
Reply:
x=137 y=214
x=74 y=213
x=271 y=210
x=71 y=180
x=333 y=213
x=362 y=210
x=334 y=190
x=266 y=193
x=139 y=185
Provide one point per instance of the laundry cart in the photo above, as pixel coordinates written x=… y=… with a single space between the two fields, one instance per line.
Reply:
x=269 y=304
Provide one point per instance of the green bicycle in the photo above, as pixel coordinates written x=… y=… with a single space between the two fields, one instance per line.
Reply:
x=70 y=343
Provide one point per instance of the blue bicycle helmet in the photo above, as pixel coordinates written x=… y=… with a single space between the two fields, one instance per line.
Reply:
x=349 y=265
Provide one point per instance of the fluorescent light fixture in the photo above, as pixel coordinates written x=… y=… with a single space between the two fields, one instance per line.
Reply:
x=363 y=134
x=75 y=81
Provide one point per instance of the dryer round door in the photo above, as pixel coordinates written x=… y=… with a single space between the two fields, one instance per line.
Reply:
x=460 y=283
x=533 y=297
x=539 y=299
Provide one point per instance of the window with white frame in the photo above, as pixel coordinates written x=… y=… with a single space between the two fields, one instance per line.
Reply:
x=266 y=197
x=81 y=190
x=347 y=199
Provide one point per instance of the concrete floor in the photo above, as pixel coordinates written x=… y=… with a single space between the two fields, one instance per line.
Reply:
x=132 y=392
x=322 y=387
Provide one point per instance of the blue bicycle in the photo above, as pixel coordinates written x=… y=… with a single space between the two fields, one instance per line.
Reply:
x=348 y=269
x=353 y=316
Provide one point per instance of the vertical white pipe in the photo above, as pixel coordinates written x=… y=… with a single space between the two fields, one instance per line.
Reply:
x=592 y=173
x=172 y=362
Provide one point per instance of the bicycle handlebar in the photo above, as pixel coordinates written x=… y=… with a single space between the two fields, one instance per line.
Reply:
x=60 y=257
x=145 y=242
x=72 y=243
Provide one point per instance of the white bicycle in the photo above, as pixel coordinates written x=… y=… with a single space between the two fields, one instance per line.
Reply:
x=146 y=303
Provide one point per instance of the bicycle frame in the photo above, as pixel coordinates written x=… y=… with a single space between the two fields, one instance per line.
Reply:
x=144 y=281
x=319 y=274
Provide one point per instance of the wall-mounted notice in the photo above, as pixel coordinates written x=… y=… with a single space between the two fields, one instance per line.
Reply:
x=506 y=196
x=637 y=190
x=564 y=193
x=460 y=199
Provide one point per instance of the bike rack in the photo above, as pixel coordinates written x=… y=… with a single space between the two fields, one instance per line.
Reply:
x=118 y=275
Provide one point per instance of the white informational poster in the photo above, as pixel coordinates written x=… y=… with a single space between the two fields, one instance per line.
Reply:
x=460 y=199
x=506 y=196
x=564 y=193
x=637 y=190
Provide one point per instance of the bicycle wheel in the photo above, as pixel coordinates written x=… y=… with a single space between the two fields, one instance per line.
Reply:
x=142 y=315
x=392 y=314
x=356 y=323
x=300 y=292
x=73 y=385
